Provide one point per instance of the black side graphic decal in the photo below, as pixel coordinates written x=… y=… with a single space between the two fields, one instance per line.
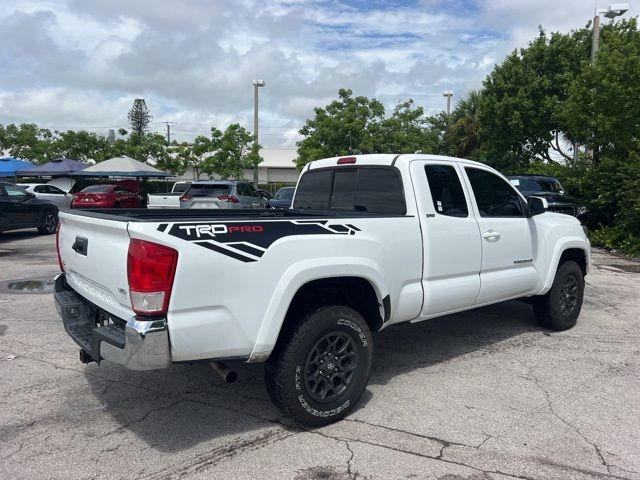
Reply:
x=248 y=241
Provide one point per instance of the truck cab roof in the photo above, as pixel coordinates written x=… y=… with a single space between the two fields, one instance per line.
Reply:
x=384 y=159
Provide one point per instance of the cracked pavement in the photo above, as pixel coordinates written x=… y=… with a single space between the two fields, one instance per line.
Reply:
x=485 y=394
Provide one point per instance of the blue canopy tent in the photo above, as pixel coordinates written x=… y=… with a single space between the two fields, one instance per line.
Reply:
x=59 y=166
x=9 y=166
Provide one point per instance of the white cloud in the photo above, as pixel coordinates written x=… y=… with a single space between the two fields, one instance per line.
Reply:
x=79 y=64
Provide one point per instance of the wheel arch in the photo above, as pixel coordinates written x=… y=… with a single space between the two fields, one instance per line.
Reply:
x=356 y=284
x=571 y=250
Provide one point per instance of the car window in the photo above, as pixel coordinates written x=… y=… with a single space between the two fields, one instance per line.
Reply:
x=54 y=190
x=15 y=192
x=314 y=190
x=98 y=189
x=207 y=190
x=343 y=194
x=284 y=193
x=252 y=192
x=380 y=191
x=180 y=187
x=446 y=190
x=40 y=189
x=242 y=190
x=373 y=190
x=494 y=196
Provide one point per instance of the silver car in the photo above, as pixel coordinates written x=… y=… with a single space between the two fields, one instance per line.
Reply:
x=222 y=194
x=49 y=192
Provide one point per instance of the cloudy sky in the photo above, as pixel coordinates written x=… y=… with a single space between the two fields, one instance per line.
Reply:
x=78 y=64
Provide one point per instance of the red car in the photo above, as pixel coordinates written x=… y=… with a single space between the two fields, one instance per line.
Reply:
x=106 y=196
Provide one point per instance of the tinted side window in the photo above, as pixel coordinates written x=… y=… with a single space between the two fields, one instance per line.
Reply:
x=380 y=191
x=314 y=189
x=15 y=192
x=446 y=190
x=373 y=190
x=494 y=196
x=252 y=192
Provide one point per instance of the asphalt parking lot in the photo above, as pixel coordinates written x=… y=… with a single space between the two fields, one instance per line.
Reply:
x=485 y=394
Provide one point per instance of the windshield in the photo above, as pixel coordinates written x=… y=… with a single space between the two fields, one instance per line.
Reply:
x=537 y=184
x=284 y=194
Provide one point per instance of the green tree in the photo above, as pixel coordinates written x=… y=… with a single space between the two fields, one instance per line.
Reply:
x=603 y=108
x=27 y=141
x=340 y=128
x=521 y=112
x=233 y=152
x=80 y=145
x=407 y=130
x=139 y=117
x=463 y=132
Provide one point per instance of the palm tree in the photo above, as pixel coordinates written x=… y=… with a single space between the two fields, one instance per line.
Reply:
x=464 y=127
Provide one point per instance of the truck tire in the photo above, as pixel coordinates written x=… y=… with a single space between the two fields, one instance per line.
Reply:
x=319 y=370
x=48 y=222
x=559 y=308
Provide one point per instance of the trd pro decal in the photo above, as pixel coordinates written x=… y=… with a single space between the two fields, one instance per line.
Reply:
x=247 y=241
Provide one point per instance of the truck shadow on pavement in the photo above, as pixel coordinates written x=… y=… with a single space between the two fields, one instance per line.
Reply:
x=185 y=405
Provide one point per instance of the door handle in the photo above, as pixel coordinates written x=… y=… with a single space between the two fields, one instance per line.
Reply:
x=491 y=235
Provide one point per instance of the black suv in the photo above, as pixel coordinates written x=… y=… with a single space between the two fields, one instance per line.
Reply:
x=548 y=188
x=21 y=209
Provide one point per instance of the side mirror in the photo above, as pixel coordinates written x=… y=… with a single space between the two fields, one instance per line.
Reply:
x=537 y=205
x=30 y=195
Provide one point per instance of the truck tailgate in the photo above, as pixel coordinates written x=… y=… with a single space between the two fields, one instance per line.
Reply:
x=94 y=256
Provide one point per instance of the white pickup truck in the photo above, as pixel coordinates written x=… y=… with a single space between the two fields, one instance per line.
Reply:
x=168 y=200
x=370 y=241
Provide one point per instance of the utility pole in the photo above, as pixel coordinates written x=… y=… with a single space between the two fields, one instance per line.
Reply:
x=256 y=84
x=448 y=94
x=168 y=124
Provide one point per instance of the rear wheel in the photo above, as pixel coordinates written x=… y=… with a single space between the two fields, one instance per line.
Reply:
x=318 y=372
x=48 y=222
x=560 y=307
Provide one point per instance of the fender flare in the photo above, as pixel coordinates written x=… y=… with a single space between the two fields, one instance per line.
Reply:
x=299 y=274
x=561 y=247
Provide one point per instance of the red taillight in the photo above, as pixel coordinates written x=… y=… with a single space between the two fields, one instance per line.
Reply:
x=58 y=248
x=150 y=270
x=185 y=198
x=343 y=160
x=228 y=198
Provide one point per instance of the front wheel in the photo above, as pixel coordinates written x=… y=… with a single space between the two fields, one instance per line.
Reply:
x=560 y=307
x=318 y=372
x=48 y=223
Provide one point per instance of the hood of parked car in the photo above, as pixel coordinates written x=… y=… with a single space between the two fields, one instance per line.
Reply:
x=553 y=197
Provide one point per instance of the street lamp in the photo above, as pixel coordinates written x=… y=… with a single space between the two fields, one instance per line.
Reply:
x=614 y=10
x=448 y=94
x=256 y=84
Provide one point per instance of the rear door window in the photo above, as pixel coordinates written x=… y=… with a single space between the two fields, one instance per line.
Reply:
x=446 y=190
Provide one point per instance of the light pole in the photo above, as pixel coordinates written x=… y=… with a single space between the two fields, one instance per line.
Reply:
x=614 y=10
x=448 y=94
x=256 y=84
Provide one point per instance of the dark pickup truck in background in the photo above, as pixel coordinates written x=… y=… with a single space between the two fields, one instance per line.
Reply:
x=550 y=189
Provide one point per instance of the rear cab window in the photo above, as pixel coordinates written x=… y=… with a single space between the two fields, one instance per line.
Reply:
x=360 y=189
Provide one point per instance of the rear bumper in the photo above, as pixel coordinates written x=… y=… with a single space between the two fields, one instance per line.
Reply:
x=135 y=344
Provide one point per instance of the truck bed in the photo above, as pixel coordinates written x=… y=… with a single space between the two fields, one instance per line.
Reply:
x=171 y=215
